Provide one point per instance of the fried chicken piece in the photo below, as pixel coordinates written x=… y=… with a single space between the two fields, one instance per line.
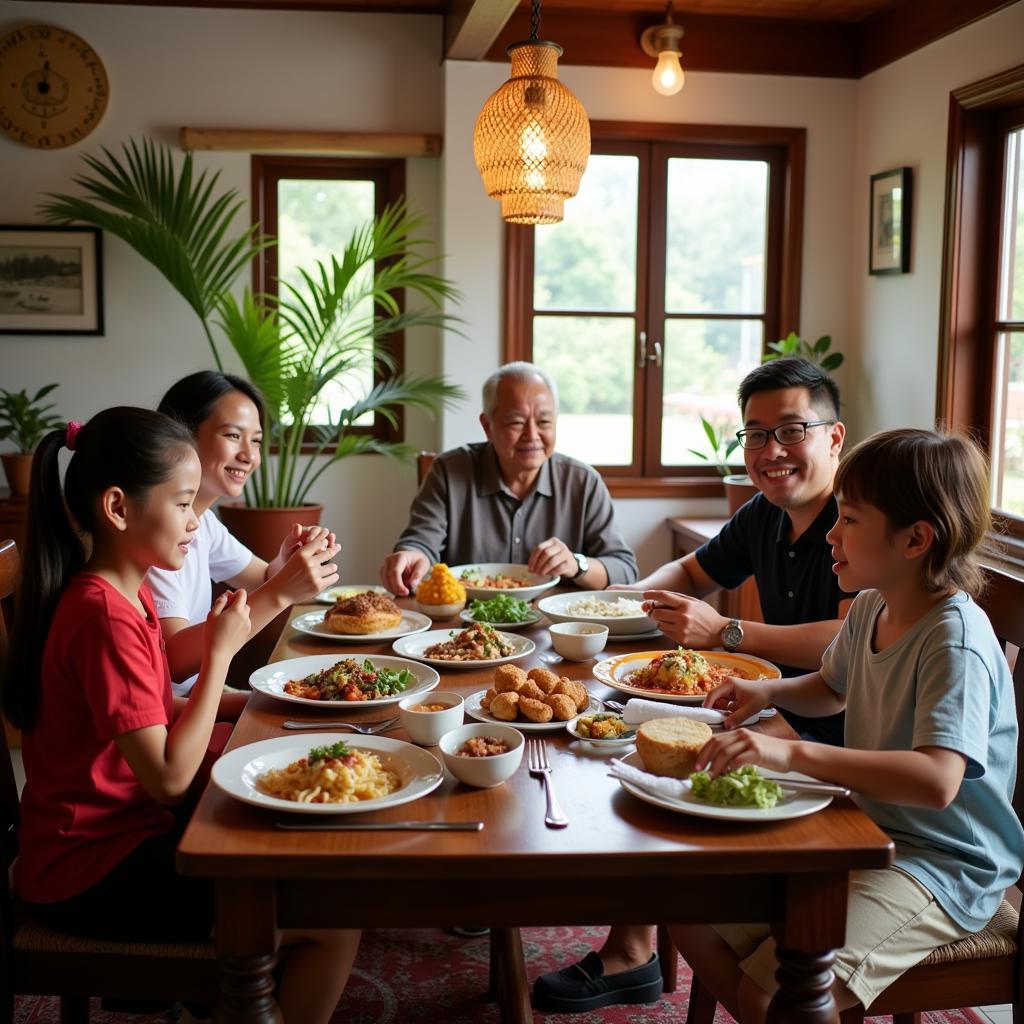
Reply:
x=504 y=706
x=563 y=707
x=534 y=710
x=577 y=691
x=544 y=678
x=509 y=679
x=485 y=700
x=533 y=691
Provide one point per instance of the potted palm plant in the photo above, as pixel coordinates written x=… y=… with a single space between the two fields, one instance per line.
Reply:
x=291 y=346
x=24 y=421
x=739 y=488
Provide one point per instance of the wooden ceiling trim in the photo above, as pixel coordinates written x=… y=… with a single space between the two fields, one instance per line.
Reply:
x=348 y=6
x=750 y=46
x=896 y=31
x=471 y=26
x=354 y=144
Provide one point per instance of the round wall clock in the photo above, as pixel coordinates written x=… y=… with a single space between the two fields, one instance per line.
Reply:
x=53 y=87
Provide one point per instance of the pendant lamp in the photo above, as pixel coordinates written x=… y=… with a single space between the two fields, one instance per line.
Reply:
x=532 y=138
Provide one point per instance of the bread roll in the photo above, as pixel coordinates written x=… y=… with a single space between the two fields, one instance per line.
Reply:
x=368 y=612
x=669 y=746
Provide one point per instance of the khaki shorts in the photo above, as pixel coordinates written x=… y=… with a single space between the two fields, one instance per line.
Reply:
x=892 y=922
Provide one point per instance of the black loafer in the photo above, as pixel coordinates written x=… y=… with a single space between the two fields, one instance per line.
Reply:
x=585 y=986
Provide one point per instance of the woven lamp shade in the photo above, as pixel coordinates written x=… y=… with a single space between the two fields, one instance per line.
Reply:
x=532 y=138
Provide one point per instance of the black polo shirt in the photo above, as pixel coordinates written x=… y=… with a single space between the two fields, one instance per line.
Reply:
x=795 y=582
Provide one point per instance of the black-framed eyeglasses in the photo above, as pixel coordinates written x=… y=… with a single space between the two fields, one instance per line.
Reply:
x=786 y=434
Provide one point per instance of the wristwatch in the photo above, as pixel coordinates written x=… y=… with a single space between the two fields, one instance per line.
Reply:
x=732 y=635
x=583 y=563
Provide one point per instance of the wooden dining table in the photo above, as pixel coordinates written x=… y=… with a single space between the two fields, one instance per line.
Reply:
x=619 y=861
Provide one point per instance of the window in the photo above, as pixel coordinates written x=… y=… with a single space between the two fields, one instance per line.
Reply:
x=675 y=264
x=312 y=205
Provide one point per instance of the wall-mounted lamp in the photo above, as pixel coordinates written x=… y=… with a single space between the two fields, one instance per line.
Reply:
x=662 y=41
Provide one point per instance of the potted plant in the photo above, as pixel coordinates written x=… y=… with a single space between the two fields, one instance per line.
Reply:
x=739 y=488
x=291 y=346
x=24 y=420
x=794 y=345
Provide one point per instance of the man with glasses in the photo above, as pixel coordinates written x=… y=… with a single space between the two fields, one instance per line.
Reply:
x=792 y=439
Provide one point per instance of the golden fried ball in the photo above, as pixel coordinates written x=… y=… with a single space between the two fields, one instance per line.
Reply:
x=534 y=710
x=563 y=707
x=509 y=678
x=504 y=706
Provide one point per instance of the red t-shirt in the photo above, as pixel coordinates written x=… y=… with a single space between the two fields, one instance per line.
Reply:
x=83 y=810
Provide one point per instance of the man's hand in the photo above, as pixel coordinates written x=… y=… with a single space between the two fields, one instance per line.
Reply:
x=729 y=750
x=402 y=571
x=687 y=620
x=552 y=557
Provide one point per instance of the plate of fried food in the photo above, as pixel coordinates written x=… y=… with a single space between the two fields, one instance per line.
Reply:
x=465 y=648
x=536 y=701
x=359 y=617
x=485 y=579
x=331 y=773
x=322 y=680
x=682 y=676
x=332 y=595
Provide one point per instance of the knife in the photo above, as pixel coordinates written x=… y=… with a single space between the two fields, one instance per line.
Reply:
x=381 y=826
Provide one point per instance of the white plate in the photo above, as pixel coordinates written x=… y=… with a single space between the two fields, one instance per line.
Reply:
x=236 y=772
x=537 y=584
x=474 y=710
x=414 y=646
x=271 y=679
x=613 y=671
x=795 y=805
x=607 y=744
x=466 y=617
x=556 y=608
x=626 y=638
x=312 y=623
x=334 y=594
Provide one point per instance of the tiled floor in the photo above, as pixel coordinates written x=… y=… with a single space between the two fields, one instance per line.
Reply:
x=995 y=1014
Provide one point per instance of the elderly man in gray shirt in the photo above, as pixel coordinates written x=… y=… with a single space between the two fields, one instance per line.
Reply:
x=513 y=498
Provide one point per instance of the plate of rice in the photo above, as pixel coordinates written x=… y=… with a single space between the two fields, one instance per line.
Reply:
x=328 y=773
x=622 y=611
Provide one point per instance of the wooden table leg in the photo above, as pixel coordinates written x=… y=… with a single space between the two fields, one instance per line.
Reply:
x=247 y=938
x=508 y=969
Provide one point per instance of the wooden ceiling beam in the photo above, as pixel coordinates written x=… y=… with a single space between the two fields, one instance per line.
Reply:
x=765 y=46
x=471 y=26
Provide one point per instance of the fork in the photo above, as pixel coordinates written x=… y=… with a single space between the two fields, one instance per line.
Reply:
x=538 y=763
x=368 y=729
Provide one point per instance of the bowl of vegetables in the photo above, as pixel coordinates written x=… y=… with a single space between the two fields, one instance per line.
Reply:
x=502 y=612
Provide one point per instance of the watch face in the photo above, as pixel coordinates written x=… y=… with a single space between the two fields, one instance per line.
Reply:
x=732 y=635
x=53 y=87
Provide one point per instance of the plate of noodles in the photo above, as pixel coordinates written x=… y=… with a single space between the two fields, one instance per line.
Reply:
x=328 y=773
x=681 y=676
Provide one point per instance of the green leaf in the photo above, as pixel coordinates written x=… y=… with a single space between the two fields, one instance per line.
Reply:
x=822 y=344
x=832 y=362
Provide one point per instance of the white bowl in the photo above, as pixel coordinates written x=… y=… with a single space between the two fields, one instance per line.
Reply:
x=556 y=608
x=535 y=585
x=427 y=727
x=578 y=641
x=441 y=611
x=482 y=772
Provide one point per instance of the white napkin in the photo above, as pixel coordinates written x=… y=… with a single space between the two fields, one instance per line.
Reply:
x=674 y=789
x=639 y=710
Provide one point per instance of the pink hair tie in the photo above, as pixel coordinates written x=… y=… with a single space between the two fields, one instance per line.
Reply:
x=74 y=428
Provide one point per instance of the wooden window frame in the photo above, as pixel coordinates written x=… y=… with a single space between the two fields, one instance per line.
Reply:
x=974 y=191
x=388 y=176
x=785 y=150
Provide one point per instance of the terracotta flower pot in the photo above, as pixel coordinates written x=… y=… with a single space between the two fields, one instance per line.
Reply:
x=261 y=530
x=739 y=489
x=18 y=468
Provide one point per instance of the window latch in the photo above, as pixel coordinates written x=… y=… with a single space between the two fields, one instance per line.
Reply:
x=643 y=357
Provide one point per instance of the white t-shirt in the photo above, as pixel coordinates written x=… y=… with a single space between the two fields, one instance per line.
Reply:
x=187 y=593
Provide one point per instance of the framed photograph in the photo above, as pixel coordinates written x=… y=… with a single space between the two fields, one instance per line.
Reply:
x=51 y=280
x=889 y=237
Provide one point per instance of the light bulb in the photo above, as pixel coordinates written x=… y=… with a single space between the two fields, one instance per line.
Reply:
x=668 y=75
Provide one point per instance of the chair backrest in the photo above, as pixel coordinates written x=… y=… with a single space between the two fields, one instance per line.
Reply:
x=423 y=463
x=10 y=567
x=1003 y=602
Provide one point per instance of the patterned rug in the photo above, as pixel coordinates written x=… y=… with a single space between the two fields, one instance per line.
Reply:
x=428 y=976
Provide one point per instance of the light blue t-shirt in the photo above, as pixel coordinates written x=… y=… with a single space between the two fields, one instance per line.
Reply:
x=945 y=683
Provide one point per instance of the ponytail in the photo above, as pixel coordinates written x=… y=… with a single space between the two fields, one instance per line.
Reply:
x=134 y=449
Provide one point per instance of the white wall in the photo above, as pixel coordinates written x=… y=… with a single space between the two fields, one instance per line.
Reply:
x=902 y=120
x=218 y=68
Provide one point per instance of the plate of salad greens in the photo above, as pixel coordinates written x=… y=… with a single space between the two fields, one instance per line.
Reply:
x=502 y=612
x=743 y=794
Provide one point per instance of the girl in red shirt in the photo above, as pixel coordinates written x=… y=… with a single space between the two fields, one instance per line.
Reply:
x=109 y=757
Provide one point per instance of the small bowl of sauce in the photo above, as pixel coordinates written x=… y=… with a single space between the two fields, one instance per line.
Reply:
x=427 y=719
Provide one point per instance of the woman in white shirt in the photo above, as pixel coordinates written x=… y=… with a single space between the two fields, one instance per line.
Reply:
x=225 y=415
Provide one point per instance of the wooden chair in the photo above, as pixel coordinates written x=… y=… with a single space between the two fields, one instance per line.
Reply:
x=424 y=460
x=35 y=960
x=981 y=969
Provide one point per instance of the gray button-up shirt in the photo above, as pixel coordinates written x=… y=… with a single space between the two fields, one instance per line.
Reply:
x=465 y=513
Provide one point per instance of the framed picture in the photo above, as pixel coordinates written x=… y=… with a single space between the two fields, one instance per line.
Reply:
x=51 y=280
x=889 y=239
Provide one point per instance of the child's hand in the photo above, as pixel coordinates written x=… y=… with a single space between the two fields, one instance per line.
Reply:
x=228 y=624
x=295 y=538
x=728 y=750
x=741 y=698
x=309 y=570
